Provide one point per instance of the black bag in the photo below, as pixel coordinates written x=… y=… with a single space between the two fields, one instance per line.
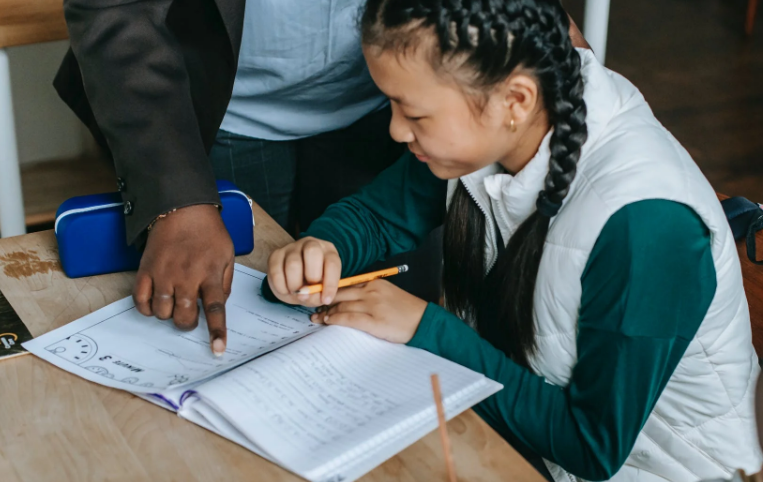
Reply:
x=746 y=219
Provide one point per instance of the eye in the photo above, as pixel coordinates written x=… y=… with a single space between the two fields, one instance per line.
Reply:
x=413 y=119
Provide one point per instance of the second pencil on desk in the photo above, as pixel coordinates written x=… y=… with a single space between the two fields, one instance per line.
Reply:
x=355 y=280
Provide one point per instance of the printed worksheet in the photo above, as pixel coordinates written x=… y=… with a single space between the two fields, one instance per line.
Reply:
x=118 y=347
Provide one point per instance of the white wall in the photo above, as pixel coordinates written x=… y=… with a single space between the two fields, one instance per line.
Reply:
x=46 y=129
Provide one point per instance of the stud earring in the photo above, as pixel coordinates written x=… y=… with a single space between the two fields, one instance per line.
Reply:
x=513 y=126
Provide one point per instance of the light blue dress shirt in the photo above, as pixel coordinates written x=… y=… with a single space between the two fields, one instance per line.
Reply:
x=301 y=70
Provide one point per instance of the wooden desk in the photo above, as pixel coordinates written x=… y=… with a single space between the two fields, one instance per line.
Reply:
x=56 y=426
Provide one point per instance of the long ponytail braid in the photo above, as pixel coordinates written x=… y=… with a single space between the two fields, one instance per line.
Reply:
x=491 y=38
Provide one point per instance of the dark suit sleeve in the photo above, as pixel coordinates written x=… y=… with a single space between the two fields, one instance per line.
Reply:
x=138 y=88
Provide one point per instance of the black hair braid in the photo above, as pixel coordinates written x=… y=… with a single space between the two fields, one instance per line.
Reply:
x=492 y=38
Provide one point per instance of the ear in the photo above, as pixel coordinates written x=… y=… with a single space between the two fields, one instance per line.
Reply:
x=520 y=98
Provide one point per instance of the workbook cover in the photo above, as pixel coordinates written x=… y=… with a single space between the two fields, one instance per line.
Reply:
x=13 y=332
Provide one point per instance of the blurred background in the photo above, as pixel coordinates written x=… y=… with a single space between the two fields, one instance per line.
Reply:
x=701 y=73
x=703 y=77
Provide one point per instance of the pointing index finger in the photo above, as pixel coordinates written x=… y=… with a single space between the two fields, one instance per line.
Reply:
x=213 y=301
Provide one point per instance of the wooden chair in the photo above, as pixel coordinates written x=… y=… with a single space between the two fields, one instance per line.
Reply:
x=752 y=7
x=21 y=22
x=753 y=286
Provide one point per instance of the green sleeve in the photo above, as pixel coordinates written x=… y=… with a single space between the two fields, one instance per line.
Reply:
x=646 y=288
x=391 y=215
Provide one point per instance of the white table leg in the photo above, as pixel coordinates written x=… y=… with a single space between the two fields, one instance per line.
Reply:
x=595 y=25
x=11 y=200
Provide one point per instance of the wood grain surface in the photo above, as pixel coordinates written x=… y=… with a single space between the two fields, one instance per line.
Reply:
x=55 y=426
x=31 y=21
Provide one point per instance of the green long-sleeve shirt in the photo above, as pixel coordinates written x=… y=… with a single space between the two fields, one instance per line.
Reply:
x=646 y=288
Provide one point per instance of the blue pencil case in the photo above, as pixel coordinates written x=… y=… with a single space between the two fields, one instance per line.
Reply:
x=92 y=240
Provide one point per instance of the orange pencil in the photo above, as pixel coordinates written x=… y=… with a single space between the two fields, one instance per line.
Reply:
x=354 y=280
x=449 y=466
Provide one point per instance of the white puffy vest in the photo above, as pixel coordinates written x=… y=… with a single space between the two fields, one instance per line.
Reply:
x=702 y=425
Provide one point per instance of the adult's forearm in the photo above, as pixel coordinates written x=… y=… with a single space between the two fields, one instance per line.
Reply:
x=137 y=85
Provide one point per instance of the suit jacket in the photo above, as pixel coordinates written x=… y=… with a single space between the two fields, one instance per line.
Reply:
x=152 y=80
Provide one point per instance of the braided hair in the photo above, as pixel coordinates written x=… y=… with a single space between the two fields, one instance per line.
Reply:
x=489 y=39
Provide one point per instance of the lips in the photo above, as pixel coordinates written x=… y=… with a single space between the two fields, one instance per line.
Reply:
x=420 y=157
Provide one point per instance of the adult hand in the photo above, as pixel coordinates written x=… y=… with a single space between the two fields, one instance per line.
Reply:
x=189 y=255
x=304 y=262
x=378 y=308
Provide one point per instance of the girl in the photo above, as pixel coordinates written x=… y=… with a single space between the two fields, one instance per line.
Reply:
x=589 y=267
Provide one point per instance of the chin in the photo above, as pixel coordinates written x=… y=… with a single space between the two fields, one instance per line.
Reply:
x=447 y=173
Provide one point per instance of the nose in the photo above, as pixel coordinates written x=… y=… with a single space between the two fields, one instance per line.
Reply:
x=399 y=129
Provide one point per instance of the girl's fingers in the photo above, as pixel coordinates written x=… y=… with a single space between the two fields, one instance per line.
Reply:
x=276 y=275
x=359 y=321
x=312 y=300
x=351 y=293
x=294 y=270
x=332 y=271
x=324 y=312
x=312 y=257
x=348 y=307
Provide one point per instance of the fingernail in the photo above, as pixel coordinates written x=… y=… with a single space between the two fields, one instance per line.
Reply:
x=327 y=300
x=218 y=347
x=326 y=319
x=303 y=297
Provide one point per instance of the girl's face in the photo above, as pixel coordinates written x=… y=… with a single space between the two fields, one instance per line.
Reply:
x=443 y=126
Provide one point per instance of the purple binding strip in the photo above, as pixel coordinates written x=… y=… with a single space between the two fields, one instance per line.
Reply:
x=185 y=395
x=166 y=400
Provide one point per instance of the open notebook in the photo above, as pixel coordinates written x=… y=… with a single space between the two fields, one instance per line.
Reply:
x=327 y=403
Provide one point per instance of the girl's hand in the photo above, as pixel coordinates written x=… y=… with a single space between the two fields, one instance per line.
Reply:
x=378 y=308
x=305 y=262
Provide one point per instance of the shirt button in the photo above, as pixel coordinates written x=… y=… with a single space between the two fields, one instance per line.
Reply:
x=120 y=184
x=128 y=208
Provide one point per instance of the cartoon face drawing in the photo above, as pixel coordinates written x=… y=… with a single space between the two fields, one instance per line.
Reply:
x=100 y=371
x=177 y=379
x=76 y=349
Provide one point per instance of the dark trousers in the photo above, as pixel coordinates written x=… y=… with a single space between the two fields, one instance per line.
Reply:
x=295 y=181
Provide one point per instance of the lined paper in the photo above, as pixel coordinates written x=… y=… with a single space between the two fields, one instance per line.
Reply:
x=338 y=398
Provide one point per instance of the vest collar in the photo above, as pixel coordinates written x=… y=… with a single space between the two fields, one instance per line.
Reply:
x=508 y=200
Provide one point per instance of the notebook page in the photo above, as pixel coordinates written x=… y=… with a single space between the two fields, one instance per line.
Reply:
x=118 y=347
x=311 y=404
x=209 y=419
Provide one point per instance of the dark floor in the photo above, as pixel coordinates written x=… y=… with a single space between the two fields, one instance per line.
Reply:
x=702 y=77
